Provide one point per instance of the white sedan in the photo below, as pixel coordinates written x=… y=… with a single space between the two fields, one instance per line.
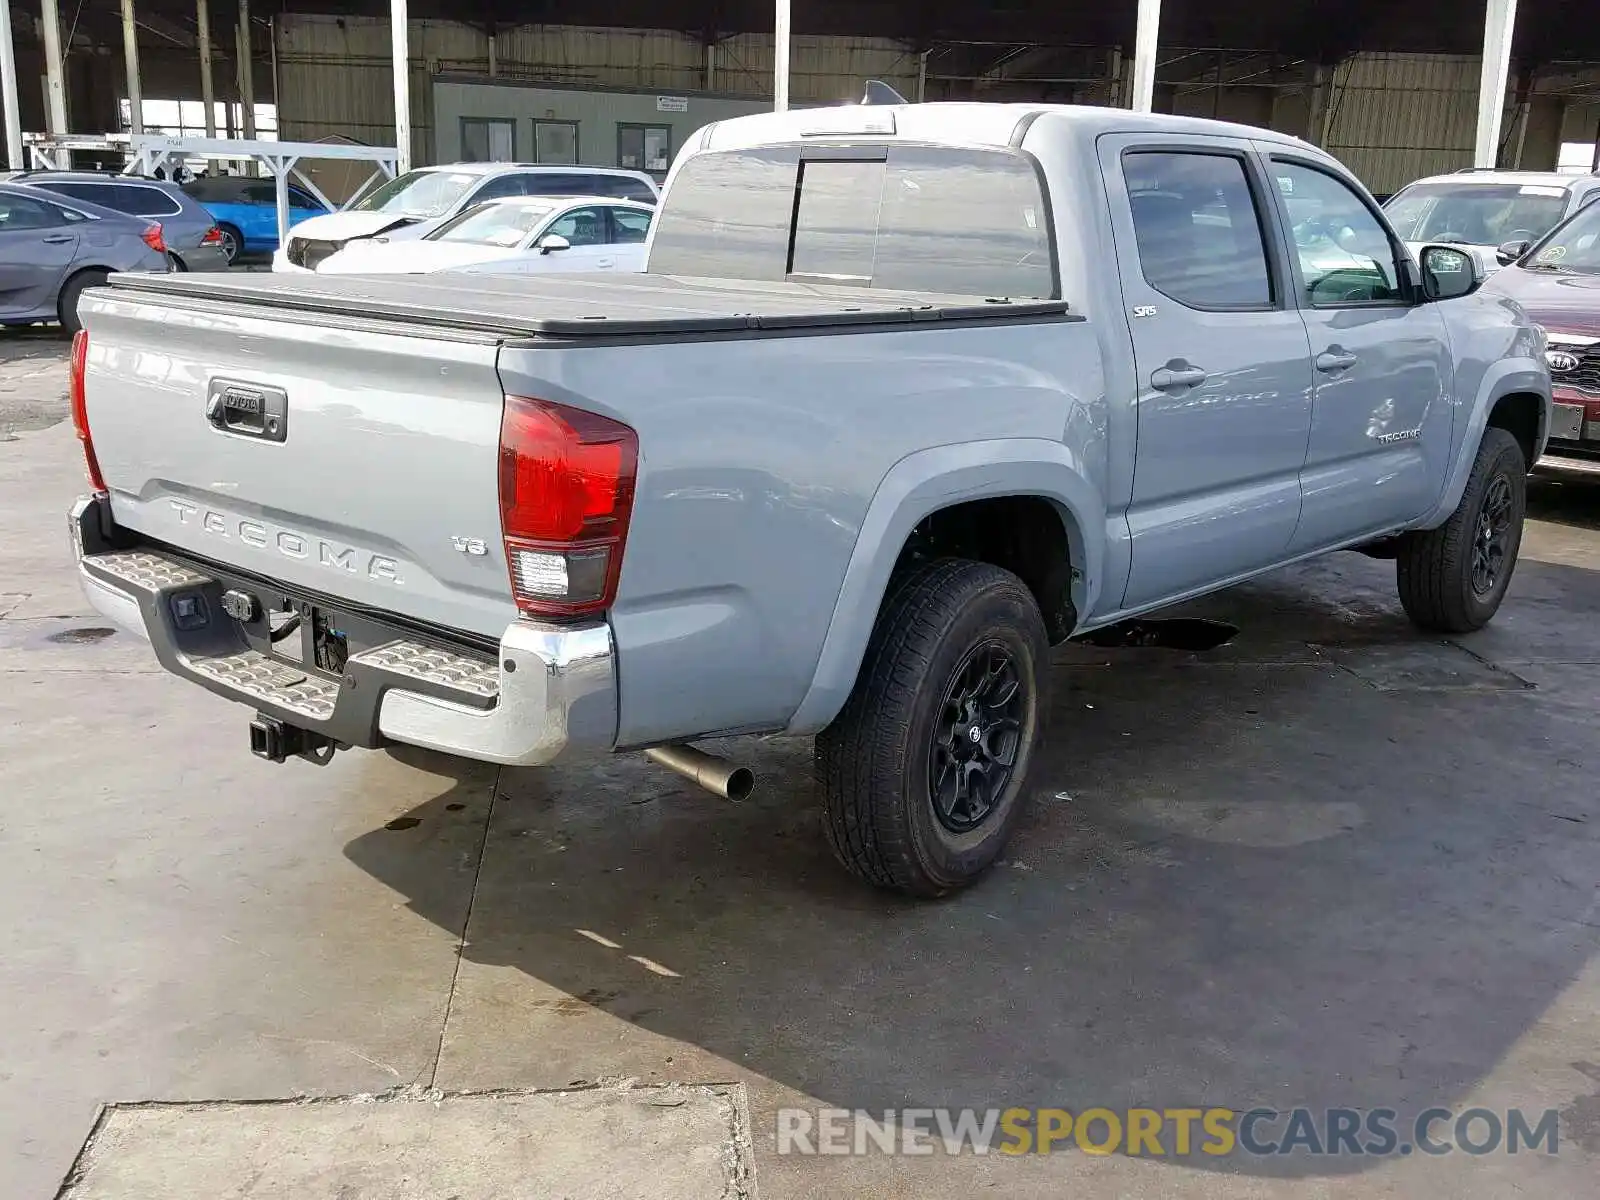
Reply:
x=535 y=234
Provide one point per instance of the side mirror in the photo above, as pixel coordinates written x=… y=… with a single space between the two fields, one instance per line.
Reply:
x=1449 y=272
x=551 y=242
x=1508 y=252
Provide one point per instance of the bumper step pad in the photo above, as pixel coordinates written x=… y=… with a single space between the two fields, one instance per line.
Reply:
x=149 y=572
x=430 y=664
x=213 y=650
x=269 y=682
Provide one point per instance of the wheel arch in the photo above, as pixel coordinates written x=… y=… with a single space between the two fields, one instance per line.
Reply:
x=1509 y=380
x=998 y=478
x=79 y=269
x=1523 y=416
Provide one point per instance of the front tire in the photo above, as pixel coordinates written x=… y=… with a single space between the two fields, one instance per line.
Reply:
x=1453 y=578
x=923 y=772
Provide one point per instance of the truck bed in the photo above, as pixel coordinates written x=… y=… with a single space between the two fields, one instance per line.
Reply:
x=564 y=307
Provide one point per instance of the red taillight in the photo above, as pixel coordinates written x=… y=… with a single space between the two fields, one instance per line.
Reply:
x=566 y=491
x=80 y=408
x=213 y=237
x=153 y=239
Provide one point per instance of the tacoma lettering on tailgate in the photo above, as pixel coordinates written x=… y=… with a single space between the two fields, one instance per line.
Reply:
x=288 y=543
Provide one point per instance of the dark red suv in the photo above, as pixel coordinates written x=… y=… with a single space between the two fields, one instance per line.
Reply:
x=1557 y=279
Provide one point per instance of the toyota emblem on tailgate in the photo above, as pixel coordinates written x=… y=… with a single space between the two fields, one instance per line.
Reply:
x=1560 y=361
x=248 y=409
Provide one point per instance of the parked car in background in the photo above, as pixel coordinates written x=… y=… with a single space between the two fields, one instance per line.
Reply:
x=1488 y=210
x=51 y=249
x=1557 y=280
x=408 y=206
x=246 y=211
x=889 y=414
x=192 y=237
x=527 y=235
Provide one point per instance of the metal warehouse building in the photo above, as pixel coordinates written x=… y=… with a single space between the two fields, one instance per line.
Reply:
x=1393 y=91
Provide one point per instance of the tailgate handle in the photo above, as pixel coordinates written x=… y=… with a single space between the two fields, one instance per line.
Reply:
x=252 y=410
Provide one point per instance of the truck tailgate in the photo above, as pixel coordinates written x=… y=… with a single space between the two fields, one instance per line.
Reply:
x=372 y=476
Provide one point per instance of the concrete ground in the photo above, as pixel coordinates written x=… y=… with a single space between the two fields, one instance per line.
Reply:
x=1333 y=863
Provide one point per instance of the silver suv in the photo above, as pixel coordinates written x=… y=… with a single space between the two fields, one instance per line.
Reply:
x=1498 y=214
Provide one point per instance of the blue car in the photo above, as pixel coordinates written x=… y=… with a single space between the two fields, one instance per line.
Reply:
x=246 y=211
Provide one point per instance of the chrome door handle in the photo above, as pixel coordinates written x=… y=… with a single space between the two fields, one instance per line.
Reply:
x=1334 y=359
x=1172 y=377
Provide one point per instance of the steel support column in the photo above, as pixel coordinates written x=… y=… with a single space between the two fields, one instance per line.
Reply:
x=780 y=59
x=8 y=91
x=402 y=83
x=130 y=58
x=1500 y=18
x=247 y=74
x=1144 y=55
x=54 y=71
x=208 y=93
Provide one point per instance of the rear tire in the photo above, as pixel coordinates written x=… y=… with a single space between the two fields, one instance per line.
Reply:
x=923 y=773
x=71 y=292
x=1453 y=578
x=232 y=242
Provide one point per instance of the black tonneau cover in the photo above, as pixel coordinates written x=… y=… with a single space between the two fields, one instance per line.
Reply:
x=585 y=306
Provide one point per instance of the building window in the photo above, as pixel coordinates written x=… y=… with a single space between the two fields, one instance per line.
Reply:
x=644 y=147
x=555 y=142
x=187 y=118
x=488 y=139
x=1577 y=158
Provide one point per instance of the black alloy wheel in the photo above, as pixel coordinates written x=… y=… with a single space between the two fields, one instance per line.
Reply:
x=976 y=738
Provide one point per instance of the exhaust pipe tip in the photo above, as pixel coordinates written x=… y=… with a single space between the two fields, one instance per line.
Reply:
x=741 y=782
x=717 y=775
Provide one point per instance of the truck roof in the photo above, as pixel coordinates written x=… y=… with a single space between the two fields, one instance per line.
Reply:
x=969 y=123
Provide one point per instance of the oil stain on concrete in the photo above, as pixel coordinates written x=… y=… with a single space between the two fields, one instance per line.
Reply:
x=596 y=1143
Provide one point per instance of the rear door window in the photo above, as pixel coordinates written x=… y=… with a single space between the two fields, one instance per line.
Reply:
x=1198 y=229
x=907 y=217
x=139 y=199
x=624 y=187
x=629 y=226
x=501 y=187
x=558 y=183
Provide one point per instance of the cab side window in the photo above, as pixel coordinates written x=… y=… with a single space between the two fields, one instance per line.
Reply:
x=1198 y=229
x=1345 y=253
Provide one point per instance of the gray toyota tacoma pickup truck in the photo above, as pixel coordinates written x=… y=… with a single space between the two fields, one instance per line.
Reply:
x=907 y=395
